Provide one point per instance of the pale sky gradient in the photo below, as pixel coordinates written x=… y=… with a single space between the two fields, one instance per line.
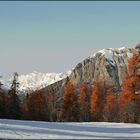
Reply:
x=55 y=36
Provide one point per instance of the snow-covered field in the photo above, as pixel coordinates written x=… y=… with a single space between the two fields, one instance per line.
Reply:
x=13 y=129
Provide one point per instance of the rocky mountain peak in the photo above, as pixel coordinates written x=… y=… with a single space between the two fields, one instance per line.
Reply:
x=108 y=65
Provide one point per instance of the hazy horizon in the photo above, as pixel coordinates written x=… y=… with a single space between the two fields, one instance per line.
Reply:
x=54 y=36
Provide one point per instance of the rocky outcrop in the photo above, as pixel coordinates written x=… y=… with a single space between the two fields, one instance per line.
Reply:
x=108 y=66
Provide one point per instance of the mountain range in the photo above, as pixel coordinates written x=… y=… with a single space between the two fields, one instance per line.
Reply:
x=108 y=65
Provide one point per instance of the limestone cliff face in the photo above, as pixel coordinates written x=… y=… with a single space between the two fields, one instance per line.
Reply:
x=108 y=66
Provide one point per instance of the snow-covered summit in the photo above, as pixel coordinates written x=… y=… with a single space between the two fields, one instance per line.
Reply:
x=113 y=51
x=37 y=80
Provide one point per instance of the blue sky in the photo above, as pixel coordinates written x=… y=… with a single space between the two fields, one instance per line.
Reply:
x=55 y=36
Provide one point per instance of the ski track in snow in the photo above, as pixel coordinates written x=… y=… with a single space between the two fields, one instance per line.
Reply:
x=17 y=129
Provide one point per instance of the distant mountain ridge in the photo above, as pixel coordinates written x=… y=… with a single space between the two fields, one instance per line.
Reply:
x=37 y=80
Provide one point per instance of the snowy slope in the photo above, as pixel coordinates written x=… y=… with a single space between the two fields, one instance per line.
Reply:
x=13 y=129
x=36 y=80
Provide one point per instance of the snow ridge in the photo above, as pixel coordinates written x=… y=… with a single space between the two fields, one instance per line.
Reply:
x=37 y=80
x=111 y=52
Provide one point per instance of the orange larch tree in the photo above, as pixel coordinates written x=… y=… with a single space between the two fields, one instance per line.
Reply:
x=110 y=112
x=129 y=97
x=70 y=105
x=35 y=106
x=83 y=102
x=97 y=101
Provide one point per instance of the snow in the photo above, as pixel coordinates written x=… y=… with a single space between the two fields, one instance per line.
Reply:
x=127 y=50
x=110 y=53
x=36 y=80
x=122 y=48
x=129 y=54
x=17 y=129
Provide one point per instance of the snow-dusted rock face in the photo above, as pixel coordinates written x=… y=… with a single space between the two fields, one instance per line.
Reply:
x=108 y=66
